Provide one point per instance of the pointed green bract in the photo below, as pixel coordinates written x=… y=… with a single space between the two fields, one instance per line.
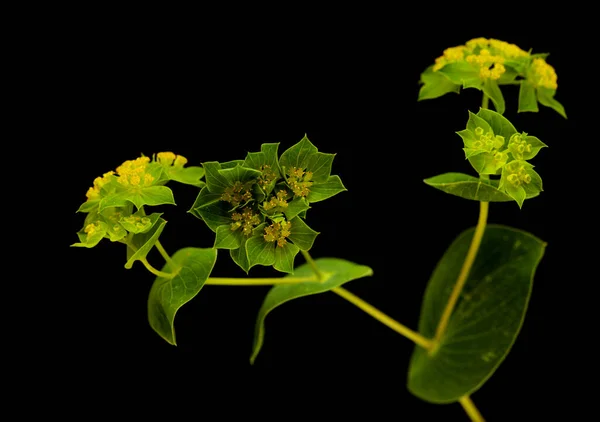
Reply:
x=140 y=244
x=284 y=258
x=320 y=165
x=139 y=196
x=476 y=121
x=167 y=295
x=492 y=90
x=259 y=251
x=470 y=187
x=463 y=73
x=296 y=207
x=336 y=272
x=486 y=320
x=88 y=205
x=186 y=175
x=527 y=98
x=227 y=238
x=91 y=240
x=322 y=191
x=215 y=215
x=546 y=97
x=298 y=155
x=435 y=85
x=266 y=157
x=302 y=235
x=204 y=199
x=215 y=181
x=240 y=256
x=498 y=123
x=239 y=174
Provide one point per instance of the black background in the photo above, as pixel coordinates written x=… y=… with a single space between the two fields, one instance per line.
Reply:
x=136 y=86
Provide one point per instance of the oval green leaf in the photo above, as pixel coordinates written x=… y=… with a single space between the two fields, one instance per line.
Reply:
x=336 y=272
x=470 y=187
x=487 y=318
x=167 y=295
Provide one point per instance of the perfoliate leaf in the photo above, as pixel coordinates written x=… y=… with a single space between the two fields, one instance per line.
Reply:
x=435 y=85
x=336 y=272
x=487 y=317
x=298 y=155
x=295 y=207
x=546 y=97
x=470 y=187
x=499 y=124
x=167 y=295
x=227 y=238
x=321 y=191
x=302 y=235
x=527 y=98
x=492 y=90
x=259 y=251
x=284 y=258
x=140 y=244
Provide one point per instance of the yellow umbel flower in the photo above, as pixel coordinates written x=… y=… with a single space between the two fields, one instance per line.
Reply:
x=542 y=74
x=451 y=55
x=133 y=172
x=507 y=50
x=94 y=191
x=490 y=66
x=169 y=158
x=278 y=232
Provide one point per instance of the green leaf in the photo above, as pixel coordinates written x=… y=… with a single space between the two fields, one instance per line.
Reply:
x=321 y=191
x=232 y=164
x=297 y=155
x=94 y=239
x=470 y=187
x=492 y=90
x=239 y=174
x=240 y=256
x=296 y=207
x=204 y=199
x=227 y=238
x=473 y=123
x=168 y=295
x=215 y=181
x=302 y=235
x=266 y=156
x=336 y=272
x=259 y=251
x=462 y=73
x=508 y=77
x=284 y=258
x=546 y=97
x=499 y=124
x=215 y=215
x=140 y=244
x=320 y=166
x=151 y=195
x=88 y=206
x=527 y=98
x=186 y=175
x=487 y=318
x=536 y=146
x=435 y=85
x=139 y=222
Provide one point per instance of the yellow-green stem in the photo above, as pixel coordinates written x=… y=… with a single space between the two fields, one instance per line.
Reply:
x=313 y=265
x=165 y=255
x=485 y=101
x=221 y=281
x=471 y=409
x=383 y=318
x=156 y=272
x=464 y=272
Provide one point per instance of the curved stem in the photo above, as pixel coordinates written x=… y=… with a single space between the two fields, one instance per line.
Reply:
x=471 y=409
x=485 y=101
x=464 y=272
x=154 y=271
x=312 y=264
x=165 y=255
x=220 y=281
x=383 y=318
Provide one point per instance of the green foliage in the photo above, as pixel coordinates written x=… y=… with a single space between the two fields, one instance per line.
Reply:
x=487 y=318
x=191 y=267
x=336 y=272
x=257 y=206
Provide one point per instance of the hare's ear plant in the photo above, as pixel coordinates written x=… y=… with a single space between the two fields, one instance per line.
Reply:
x=259 y=208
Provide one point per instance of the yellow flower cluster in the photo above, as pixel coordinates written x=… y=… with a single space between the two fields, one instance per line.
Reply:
x=133 y=172
x=278 y=232
x=542 y=74
x=168 y=158
x=94 y=191
x=487 y=54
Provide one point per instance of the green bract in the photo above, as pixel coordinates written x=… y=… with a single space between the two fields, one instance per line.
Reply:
x=257 y=206
x=486 y=64
x=494 y=147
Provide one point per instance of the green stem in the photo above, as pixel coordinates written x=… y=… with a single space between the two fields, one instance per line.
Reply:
x=383 y=318
x=485 y=101
x=464 y=273
x=313 y=265
x=165 y=255
x=156 y=272
x=471 y=409
x=220 y=281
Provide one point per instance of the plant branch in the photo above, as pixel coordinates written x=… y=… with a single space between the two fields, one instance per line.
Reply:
x=156 y=272
x=471 y=409
x=464 y=273
x=383 y=318
x=220 y=281
x=313 y=265
x=165 y=255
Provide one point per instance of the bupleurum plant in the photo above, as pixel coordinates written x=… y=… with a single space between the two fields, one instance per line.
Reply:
x=477 y=296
